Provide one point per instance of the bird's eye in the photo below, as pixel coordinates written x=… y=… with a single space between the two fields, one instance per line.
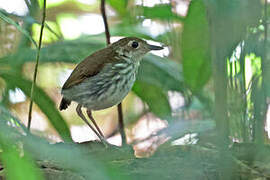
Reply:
x=135 y=44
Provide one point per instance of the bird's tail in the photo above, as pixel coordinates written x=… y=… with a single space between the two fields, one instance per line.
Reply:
x=64 y=104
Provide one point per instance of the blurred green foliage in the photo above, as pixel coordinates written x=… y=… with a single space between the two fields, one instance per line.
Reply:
x=217 y=62
x=196 y=47
x=17 y=167
x=42 y=100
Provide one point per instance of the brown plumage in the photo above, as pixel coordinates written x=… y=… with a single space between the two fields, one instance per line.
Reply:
x=92 y=65
x=104 y=78
x=87 y=68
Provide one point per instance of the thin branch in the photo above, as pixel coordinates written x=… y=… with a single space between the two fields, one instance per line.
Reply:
x=36 y=66
x=121 y=124
x=119 y=107
x=103 y=12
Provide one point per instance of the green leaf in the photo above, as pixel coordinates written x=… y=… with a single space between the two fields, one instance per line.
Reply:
x=44 y=102
x=30 y=20
x=156 y=76
x=155 y=98
x=72 y=51
x=17 y=167
x=161 y=72
x=6 y=115
x=195 y=47
x=160 y=11
x=119 y=5
x=90 y=163
x=18 y=27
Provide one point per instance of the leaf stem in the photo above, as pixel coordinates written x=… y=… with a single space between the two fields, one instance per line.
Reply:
x=103 y=12
x=119 y=106
x=36 y=66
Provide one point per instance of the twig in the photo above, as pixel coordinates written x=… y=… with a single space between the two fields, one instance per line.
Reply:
x=121 y=124
x=36 y=66
x=103 y=12
x=119 y=107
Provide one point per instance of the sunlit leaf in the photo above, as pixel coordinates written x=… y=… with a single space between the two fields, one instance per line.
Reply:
x=196 y=47
x=44 y=102
x=51 y=4
x=49 y=35
x=119 y=5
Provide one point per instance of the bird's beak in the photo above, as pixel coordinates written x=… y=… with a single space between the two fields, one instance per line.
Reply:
x=153 y=47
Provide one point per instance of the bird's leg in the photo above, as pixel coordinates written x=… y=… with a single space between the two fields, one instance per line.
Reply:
x=79 y=112
x=89 y=113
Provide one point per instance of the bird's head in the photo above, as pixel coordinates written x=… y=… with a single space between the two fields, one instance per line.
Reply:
x=133 y=48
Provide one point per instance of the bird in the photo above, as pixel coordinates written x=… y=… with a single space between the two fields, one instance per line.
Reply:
x=104 y=78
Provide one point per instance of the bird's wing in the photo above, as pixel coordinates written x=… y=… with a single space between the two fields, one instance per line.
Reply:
x=89 y=67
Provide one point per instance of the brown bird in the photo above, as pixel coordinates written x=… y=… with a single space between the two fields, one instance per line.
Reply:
x=104 y=78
